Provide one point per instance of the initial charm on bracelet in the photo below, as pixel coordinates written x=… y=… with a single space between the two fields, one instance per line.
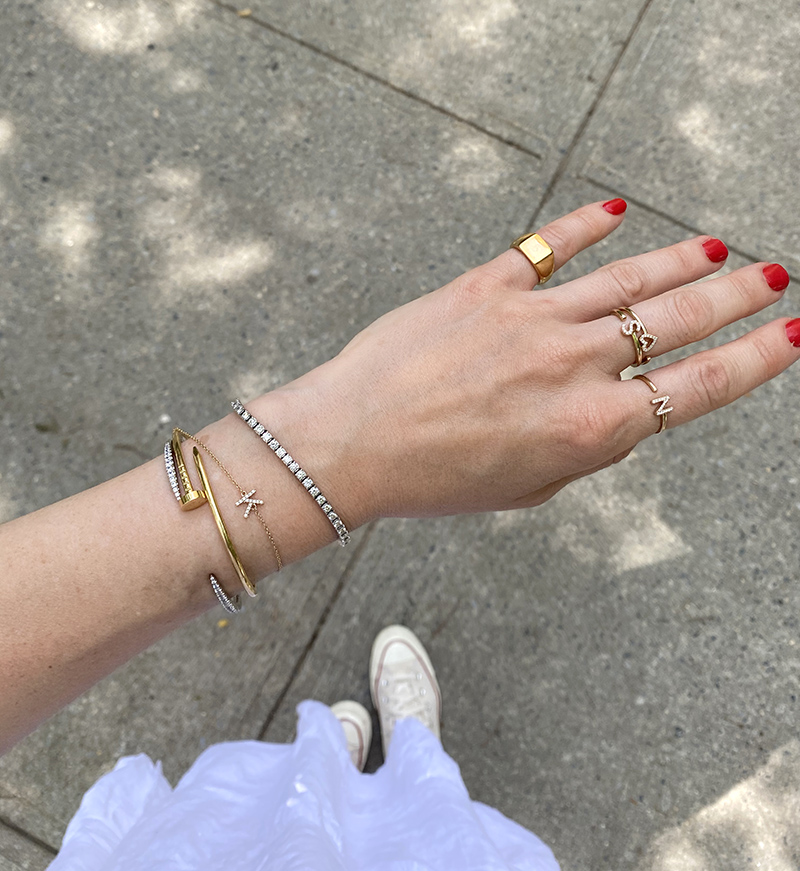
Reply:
x=251 y=503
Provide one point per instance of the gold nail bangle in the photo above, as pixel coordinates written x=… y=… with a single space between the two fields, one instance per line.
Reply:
x=180 y=432
x=223 y=531
x=189 y=498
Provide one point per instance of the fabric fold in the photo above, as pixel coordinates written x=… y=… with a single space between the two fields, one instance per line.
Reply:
x=285 y=807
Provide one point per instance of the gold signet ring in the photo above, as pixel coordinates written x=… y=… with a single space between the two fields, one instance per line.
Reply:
x=539 y=253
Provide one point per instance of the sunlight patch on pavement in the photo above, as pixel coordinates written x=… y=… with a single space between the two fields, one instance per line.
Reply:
x=69 y=233
x=480 y=25
x=230 y=264
x=753 y=823
x=626 y=539
x=6 y=135
x=474 y=164
x=103 y=28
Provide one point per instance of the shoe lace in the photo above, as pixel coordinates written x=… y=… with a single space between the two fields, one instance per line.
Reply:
x=403 y=695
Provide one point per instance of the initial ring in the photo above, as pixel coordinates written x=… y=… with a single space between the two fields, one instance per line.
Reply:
x=642 y=340
x=661 y=401
x=538 y=252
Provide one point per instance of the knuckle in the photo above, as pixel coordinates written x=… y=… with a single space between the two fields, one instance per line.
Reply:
x=692 y=314
x=628 y=279
x=591 y=428
x=686 y=258
x=494 y=276
x=767 y=353
x=712 y=382
x=559 y=237
x=741 y=286
x=555 y=354
x=474 y=286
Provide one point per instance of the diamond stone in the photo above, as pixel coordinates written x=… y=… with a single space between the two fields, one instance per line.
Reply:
x=266 y=437
x=333 y=517
x=308 y=484
x=327 y=508
x=314 y=491
x=280 y=453
x=287 y=460
x=274 y=444
x=252 y=423
x=300 y=475
x=260 y=429
x=321 y=500
x=245 y=415
x=294 y=466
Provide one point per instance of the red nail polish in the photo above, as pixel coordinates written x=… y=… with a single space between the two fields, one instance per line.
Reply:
x=777 y=277
x=793 y=332
x=715 y=250
x=616 y=206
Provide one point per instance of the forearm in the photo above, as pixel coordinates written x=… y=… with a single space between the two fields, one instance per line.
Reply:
x=480 y=396
x=90 y=581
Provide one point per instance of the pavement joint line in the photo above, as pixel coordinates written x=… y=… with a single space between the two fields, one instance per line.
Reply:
x=561 y=169
x=323 y=619
x=381 y=81
x=13 y=827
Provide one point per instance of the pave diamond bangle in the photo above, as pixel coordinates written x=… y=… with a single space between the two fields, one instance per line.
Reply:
x=294 y=467
x=233 y=605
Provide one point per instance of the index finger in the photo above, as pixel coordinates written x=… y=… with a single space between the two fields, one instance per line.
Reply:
x=567 y=236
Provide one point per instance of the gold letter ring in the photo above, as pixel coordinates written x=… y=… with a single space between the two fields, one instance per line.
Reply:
x=661 y=401
x=642 y=340
x=539 y=253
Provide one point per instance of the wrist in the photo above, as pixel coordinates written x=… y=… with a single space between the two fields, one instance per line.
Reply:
x=316 y=423
x=299 y=416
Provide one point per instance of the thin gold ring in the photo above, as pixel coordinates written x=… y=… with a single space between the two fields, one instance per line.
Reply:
x=632 y=326
x=539 y=253
x=661 y=401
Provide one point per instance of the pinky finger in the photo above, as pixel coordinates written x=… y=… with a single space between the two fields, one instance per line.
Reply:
x=538 y=497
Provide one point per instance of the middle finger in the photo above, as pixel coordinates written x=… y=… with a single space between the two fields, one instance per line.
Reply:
x=629 y=282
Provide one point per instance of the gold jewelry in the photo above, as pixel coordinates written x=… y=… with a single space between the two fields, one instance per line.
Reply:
x=539 y=253
x=662 y=411
x=188 y=497
x=248 y=585
x=247 y=496
x=632 y=326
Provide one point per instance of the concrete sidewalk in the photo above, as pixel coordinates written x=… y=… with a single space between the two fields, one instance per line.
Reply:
x=197 y=204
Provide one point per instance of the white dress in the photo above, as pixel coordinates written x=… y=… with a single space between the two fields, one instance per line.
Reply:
x=252 y=806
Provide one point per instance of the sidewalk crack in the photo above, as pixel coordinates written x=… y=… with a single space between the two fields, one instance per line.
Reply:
x=320 y=625
x=428 y=104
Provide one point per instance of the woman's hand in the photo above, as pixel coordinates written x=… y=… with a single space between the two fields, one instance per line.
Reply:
x=485 y=395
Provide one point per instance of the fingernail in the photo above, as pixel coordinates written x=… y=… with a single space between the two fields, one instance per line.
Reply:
x=777 y=277
x=616 y=206
x=793 y=332
x=715 y=250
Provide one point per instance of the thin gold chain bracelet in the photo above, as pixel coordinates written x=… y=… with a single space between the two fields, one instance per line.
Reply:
x=246 y=495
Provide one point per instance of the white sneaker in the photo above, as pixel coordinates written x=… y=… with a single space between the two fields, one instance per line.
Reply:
x=402 y=682
x=357 y=725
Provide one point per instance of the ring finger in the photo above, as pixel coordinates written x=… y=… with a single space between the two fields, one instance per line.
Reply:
x=686 y=315
x=705 y=381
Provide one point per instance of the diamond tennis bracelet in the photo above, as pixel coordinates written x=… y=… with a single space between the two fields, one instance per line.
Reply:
x=294 y=467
